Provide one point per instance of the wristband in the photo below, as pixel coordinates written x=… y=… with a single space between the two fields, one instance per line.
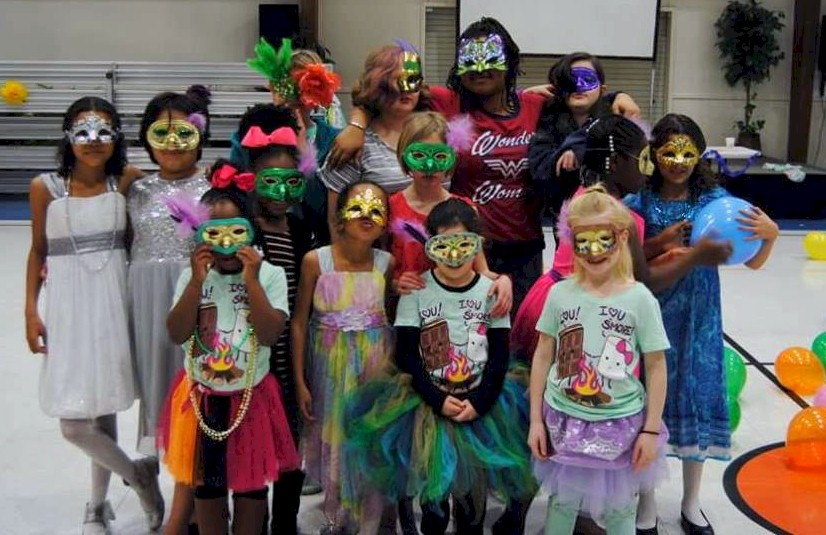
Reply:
x=647 y=432
x=358 y=125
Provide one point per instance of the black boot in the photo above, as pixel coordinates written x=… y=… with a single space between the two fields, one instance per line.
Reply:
x=286 y=500
x=512 y=521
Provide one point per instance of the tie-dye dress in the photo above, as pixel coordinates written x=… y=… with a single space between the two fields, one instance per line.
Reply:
x=349 y=342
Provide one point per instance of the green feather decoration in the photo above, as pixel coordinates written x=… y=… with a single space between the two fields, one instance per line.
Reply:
x=275 y=66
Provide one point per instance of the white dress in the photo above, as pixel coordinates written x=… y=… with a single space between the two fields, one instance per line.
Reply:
x=88 y=371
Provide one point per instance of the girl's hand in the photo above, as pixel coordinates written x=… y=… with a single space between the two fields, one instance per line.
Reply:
x=35 y=334
x=305 y=401
x=645 y=451
x=709 y=252
x=201 y=262
x=407 y=282
x=624 y=105
x=347 y=146
x=677 y=235
x=502 y=288
x=251 y=259
x=452 y=407
x=538 y=440
x=468 y=413
x=759 y=224
x=566 y=162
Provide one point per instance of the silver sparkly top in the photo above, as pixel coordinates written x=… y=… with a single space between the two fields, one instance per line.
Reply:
x=155 y=236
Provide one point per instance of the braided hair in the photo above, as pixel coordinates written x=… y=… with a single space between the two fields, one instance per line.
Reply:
x=606 y=137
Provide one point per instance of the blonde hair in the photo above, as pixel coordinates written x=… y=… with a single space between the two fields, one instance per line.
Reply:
x=302 y=58
x=420 y=125
x=597 y=202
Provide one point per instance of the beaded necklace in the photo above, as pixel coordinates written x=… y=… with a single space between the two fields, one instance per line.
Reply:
x=246 y=397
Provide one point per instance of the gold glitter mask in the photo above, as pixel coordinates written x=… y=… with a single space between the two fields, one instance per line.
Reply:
x=594 y=241
x=365 y=205
x=176 y=134
x=679 y=153
x=453 y=250
x=646 y=166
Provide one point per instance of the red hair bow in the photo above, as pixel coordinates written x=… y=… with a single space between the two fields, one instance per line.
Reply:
x=256 y=137
x=227 y=175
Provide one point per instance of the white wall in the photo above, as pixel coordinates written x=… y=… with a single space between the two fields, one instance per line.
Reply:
x=138 y=30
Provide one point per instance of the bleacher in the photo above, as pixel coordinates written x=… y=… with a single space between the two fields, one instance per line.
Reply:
x=29 y=133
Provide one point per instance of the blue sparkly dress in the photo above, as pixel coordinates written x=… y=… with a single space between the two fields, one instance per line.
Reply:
x=695 y=412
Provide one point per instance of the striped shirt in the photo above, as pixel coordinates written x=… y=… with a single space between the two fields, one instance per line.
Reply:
x=279 y=251
x=378 y=164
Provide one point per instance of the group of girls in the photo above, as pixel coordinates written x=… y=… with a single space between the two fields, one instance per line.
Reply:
x=262 y=358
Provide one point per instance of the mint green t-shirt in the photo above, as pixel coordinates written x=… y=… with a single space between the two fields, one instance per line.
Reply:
x=454 y=323
x=599 y=341
x=223 y=317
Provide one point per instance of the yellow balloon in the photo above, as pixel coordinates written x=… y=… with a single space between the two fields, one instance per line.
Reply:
x=815 y=245
x=806 y=440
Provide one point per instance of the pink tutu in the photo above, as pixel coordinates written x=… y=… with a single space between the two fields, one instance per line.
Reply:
x=524 y=336
x=258 y=451
x=596 y=480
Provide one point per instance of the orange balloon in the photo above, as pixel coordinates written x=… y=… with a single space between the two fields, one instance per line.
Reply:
x=806 y=439
x=799 y=370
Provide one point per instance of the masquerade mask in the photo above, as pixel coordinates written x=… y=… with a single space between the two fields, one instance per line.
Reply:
x=411 y=78
x=280 y=185
x=481 y=54
x=453 y=250
x=176 y=134
x=594 y=241
x=91 y=128
x=582 y=79
x=429 y=158
x=365 y=205
x=644 y=161
x=680 y=151
x=225 y=236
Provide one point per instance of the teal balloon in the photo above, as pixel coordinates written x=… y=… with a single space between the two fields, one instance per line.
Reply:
x=733 y=414
x=735 y=371
x=819 y=348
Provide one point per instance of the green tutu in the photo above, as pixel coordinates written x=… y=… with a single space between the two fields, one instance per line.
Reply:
x=403 y=449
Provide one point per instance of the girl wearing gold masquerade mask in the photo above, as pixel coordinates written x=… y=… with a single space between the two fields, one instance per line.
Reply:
x=340 y=323
x=696 y=410
x=584 y=377
x=230 y=307
x=453 y=357
x=79 y=226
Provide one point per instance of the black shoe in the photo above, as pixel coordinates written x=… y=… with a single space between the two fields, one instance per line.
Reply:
x=648 y=531
x=693 y=529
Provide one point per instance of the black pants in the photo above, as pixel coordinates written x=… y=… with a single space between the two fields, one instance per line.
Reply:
x=468 y=516
x=522 y=262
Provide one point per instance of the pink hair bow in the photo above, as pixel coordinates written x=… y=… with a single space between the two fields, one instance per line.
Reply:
x=227 y=175
x=256 y=137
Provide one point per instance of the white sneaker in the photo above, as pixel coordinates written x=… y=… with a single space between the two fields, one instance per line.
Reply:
x=96 y=520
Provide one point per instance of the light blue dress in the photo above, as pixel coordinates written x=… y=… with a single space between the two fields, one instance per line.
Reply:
x=696 y=411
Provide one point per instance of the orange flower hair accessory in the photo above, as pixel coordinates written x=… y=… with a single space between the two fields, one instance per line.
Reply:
x=316 y=85
x=14 y=93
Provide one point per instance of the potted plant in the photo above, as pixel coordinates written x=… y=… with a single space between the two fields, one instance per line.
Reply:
x=747 y=41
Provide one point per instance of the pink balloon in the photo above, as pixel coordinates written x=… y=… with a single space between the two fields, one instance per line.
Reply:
x=820 y=397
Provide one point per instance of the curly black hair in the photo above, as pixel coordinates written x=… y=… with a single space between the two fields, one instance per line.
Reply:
x=66 y=157
x=605 y=137
x=702 y=179
x=482 y=28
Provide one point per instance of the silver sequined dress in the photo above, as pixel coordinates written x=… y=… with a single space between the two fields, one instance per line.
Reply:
x=159 y=254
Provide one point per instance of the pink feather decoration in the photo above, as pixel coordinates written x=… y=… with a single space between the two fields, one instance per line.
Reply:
x=308 y=162
x=187 y=212
x=562 y=228
x=198 y=120
x=460 y=132
x=404 y=228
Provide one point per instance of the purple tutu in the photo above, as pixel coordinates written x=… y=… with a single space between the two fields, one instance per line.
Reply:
x=590 y=468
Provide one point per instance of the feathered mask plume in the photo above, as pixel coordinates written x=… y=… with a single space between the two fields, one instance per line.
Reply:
x=187 y=212
x=460 y=133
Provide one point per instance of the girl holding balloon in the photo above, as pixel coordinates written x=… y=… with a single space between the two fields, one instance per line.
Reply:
x=677 y=199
